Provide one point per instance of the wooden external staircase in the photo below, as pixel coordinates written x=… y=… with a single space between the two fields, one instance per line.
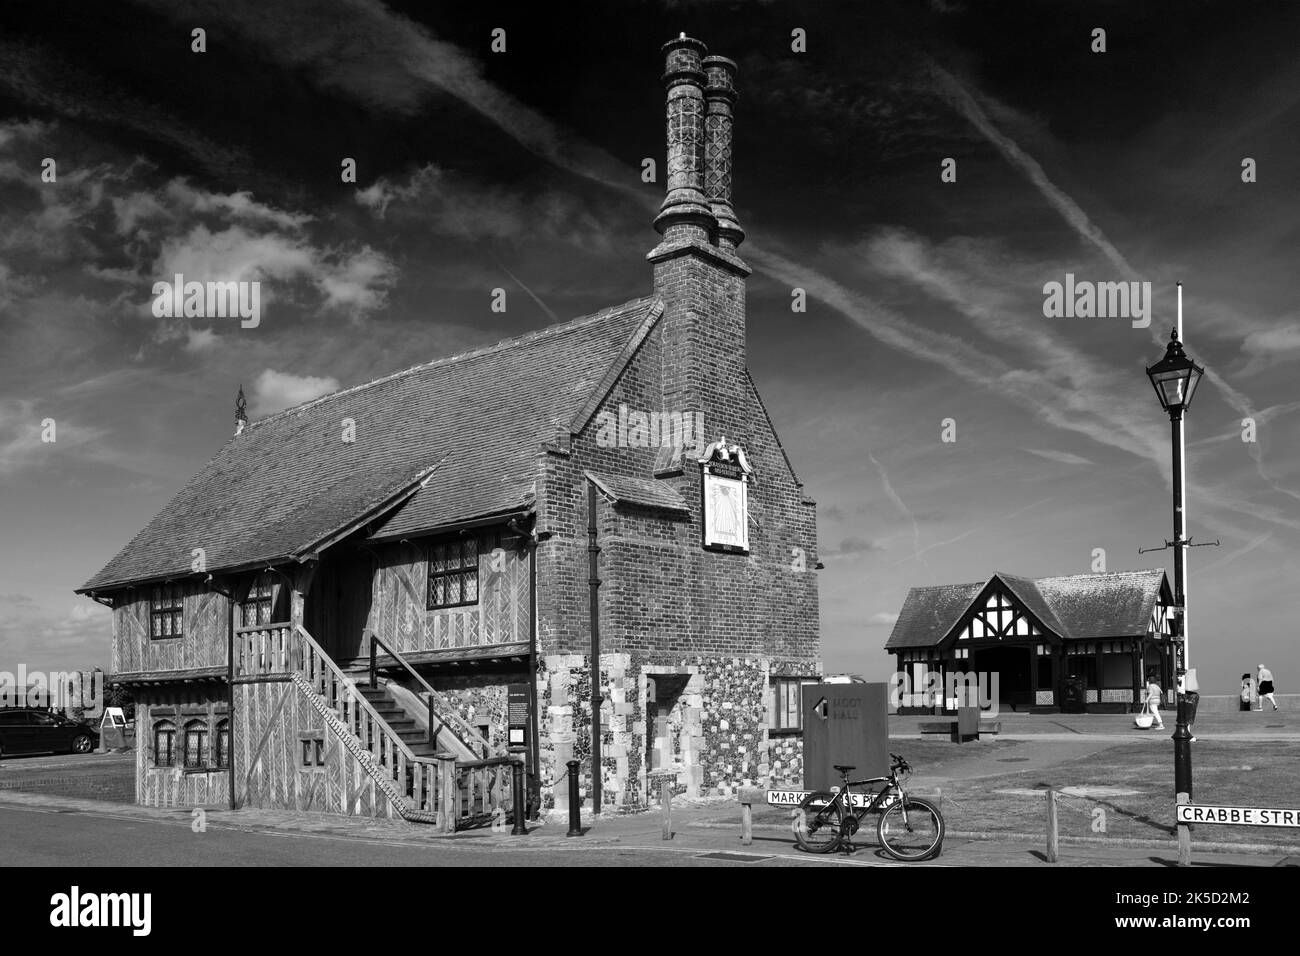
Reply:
x=438 y=778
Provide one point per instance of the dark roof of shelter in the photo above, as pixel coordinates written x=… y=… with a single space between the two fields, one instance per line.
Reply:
x=1075 y=606
x=446 y=442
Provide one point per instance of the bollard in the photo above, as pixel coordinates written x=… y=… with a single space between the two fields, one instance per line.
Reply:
x=748 y=797
x=520 y=808
x=575 y=812
x=1184 y=835
x=666 y=799
x=1053 y=847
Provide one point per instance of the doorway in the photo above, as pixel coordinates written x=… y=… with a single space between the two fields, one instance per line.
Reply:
x=665 y=720
x=1011 y=665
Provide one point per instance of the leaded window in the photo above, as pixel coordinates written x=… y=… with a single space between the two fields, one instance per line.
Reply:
x=453 y=573
x=196 y=744
x=223 y=744
x=164 y=744
x=166 y=612
x=255 y=611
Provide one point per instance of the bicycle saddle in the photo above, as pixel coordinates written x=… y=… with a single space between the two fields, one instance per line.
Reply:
x=843 y=769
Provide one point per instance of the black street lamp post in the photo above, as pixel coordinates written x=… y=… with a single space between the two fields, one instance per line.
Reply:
x=1175 y=378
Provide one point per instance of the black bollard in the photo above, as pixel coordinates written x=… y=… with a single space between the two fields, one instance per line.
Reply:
x=520 y=808
x=575 y=811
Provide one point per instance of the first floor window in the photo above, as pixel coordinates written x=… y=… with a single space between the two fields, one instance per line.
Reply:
x=164 y=744
x=223 y=744
x=256 y=608
x=166 y=612
x=453 y=573
x=196 y=744
x=787 y=703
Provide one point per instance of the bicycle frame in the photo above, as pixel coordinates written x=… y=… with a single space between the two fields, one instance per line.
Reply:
x=893 y=790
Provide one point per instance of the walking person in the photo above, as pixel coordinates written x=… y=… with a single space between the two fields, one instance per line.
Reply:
x=1247 y=691
x=1154 y=693
x=1266 y=687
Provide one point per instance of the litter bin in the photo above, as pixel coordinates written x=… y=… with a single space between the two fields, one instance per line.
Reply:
x=1192 y=698
x=1072 y=702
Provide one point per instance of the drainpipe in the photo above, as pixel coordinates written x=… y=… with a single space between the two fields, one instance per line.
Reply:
x=534 y=742
x=593 y=584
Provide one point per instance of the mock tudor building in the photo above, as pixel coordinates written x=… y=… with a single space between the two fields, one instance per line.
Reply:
x=476 y=524
x=1094 y=637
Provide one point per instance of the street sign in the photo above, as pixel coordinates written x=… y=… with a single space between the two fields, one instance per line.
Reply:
x=794 y=798
x=1241 y=816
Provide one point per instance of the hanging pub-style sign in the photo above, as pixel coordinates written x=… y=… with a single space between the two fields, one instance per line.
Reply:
x=726 y=497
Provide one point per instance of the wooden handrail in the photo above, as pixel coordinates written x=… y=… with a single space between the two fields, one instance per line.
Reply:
x=264 y=649
x=468 y=735
x=262 y=627
x=418 y=778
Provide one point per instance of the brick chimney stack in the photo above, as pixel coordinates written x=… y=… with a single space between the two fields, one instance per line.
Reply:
x=720 y=98
x=697 y=273
x=685 y=214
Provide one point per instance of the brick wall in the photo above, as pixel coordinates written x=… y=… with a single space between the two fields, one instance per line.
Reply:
x=725 y=621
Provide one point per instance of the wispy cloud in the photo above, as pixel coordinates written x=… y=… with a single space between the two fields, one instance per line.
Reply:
x=1061 y=457
x=274 y=391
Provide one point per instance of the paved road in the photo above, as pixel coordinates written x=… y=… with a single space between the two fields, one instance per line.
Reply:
x=58 y=837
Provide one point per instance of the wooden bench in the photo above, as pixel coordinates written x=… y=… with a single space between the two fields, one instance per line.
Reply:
x=949 y=728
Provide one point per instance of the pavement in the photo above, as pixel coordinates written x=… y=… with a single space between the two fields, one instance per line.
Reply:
x=59 y=826
x=42 y=830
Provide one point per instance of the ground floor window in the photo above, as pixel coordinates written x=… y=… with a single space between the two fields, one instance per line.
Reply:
x=196 y=744
x=164 y=744
x=787 y=703
x=223 y=744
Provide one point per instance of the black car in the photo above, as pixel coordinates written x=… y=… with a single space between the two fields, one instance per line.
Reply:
x=25 y=730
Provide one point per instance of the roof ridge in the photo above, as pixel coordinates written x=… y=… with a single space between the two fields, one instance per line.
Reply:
x=503 y=344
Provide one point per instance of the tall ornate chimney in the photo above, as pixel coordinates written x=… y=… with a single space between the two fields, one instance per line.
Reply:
x=685 y=214
x=698 y=275
x=241 y=411
x=720 y=98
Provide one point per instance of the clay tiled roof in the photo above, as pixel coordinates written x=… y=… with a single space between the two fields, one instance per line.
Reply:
x=449 y=441
x=1075 y=606
x=928 y=614
x=645 y=492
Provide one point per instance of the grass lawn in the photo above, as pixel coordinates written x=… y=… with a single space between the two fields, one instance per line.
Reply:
x=1224 y=773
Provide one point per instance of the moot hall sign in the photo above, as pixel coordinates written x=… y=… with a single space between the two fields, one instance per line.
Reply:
x=455 y=541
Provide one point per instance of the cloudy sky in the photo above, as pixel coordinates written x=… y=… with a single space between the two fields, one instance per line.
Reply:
x=521 y=170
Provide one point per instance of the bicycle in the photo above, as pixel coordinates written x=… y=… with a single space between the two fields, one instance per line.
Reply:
x=909 y=829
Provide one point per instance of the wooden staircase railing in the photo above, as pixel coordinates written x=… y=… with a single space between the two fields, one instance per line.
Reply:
x=465 y=732
x=416 y=778
x=437 y=789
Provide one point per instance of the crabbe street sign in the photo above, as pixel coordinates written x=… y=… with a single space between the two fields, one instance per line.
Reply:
x=1242 y=816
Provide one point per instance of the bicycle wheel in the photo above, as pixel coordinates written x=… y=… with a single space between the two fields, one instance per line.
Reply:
x=916 y=835
x=817 y=828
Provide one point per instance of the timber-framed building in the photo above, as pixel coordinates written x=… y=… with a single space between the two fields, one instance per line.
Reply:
x=472 y=524
x=1082 y=641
